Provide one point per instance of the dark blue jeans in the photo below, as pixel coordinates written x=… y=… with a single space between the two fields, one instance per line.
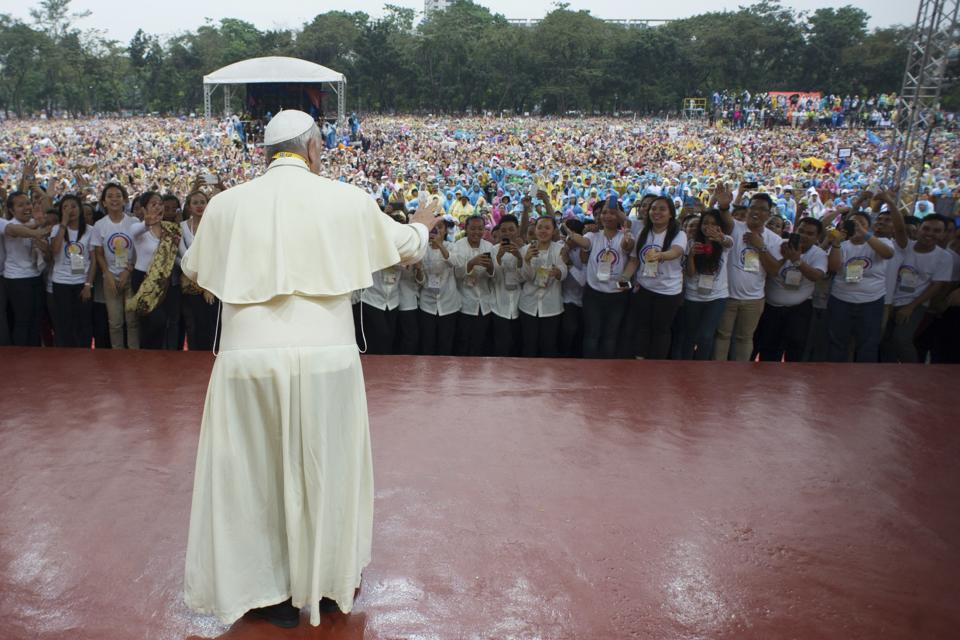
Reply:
x=857 y=322
x=602 y=316
x=701 y=320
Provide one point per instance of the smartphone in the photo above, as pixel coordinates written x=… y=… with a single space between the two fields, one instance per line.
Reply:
x=849 y=227
x=794 y=240
x=505 y=241
x=751 y=185
x=563 y=230
x=623 y=284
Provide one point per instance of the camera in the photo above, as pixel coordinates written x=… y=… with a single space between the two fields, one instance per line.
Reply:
x=794 y=241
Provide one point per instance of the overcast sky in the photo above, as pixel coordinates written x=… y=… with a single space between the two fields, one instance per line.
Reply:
x=121 y=19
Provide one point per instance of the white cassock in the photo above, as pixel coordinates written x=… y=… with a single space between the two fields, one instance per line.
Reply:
x=283 y=494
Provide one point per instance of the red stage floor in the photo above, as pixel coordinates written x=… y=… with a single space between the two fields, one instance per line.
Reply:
x=515 y=499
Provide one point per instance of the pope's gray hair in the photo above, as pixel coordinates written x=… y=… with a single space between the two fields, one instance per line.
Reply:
x=296 y=145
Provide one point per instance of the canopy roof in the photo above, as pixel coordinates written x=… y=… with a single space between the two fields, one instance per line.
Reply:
x=273 y=69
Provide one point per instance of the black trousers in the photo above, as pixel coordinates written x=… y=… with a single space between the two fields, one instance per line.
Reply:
x=4 y=319
x=201 y=321
x=173 y=307
x=782 y=332
x=436 y=334
x=72 y=318
x=101 y=326
x=408 y=333
x=540 y=335
x=380 y=327
x=653 y=315
x=602 y=316
x=472 y=333
x=506 y=337
x=571 y=331
x=26 y=298
x=153 y=326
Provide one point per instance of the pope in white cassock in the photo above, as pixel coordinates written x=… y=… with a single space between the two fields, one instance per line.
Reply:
x=282 y=509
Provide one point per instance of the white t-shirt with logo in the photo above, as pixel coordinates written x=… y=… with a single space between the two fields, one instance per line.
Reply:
x=707 y=287
x=72 y=262
x=918 y=270
x=747 y=275
x=790 y=287
x=116 y=238
x=665 y=277
x=605 y=250
x=21 y=260
x=863 y=273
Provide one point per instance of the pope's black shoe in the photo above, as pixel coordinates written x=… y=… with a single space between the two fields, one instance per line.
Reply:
x=283 y=615
x=329 y=606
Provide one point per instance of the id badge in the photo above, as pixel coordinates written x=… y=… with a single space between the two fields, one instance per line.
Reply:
x=604 y=269
x=120 y=258
x=751 y=261
x=543 y=276
x=908 y=281
x=510 y=279
x=650 y=269
x=433 y=282
x=792 y=278
x=705 y=282
x=854 y=273
x=77 y=264
x=390 y=277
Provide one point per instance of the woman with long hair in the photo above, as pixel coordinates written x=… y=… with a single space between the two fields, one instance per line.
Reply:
x=158 y=243
x=200 y=308
x=705 y=290
x=113 y=243
x=72 y=276
x=659 y=293
x=541 y=298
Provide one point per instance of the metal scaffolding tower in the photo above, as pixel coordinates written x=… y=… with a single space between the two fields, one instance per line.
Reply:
x=934 y=35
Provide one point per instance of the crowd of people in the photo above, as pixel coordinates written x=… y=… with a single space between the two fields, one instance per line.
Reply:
x=805 y=110
x=599 y=238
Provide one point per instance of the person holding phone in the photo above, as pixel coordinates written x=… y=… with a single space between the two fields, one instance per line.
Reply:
x=474 y=272
x=507 y=261
x=73 y=274
x=857 y=259
x=785 y=324
x=705 y=287
x=541 y=298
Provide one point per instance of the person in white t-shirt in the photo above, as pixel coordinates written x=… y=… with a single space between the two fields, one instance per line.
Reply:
x=474 y=271
x=73 y=273
x=754 y=257
x=571 y=323
x=855 y=308
x=785 y=324
x=541 y=296
x=439 y=297
x=200 y=308
x=25 y=245
x=705 y=285
x=116 y=257
x=924 y=270
x=507 y=261
x=659 y=280
x=604 y=298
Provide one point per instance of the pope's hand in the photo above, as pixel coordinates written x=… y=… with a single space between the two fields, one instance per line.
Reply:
x=426 y=215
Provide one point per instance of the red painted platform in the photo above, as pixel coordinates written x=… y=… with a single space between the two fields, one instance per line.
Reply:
x=515 y=499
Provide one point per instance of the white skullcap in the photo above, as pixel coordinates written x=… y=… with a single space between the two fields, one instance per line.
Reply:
x=286 y=125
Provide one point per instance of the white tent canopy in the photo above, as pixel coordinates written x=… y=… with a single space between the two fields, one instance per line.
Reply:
x=272 y=69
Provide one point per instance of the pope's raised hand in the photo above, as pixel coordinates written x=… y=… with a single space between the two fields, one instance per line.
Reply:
x=426 y=214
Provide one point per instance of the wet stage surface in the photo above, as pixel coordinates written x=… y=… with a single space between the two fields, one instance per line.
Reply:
x=515 y=499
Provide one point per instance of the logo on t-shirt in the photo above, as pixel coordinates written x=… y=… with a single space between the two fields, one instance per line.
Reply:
x=119 y=243
x=861 y=261
x=72 y=249
x=609 y=255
